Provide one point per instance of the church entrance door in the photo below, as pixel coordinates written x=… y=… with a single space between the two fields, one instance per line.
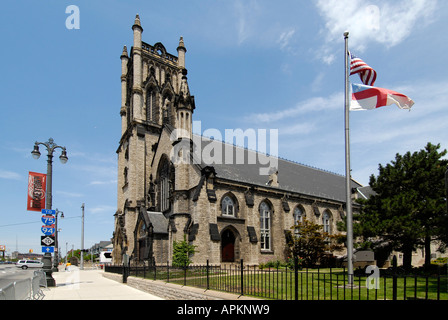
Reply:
x=228 y=246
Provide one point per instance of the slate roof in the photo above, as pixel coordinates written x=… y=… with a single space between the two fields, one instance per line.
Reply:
x=158 y=220
x=292 y=177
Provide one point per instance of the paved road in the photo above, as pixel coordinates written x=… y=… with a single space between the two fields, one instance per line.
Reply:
x=10 y=273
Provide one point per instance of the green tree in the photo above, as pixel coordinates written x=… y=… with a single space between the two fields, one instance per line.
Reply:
x=310 y=243
x=408 y=208
x=182 y=251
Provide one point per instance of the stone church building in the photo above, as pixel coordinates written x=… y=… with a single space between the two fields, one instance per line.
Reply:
x=227 y=209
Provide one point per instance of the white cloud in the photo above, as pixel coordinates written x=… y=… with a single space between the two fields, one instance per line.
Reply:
x=10 y=175
x=311 y=105
x=69 y=194
x=285 y=38
x=386 y=22
x=101 y=209
x=246 y=12
x=297 y=128
x=316 y=85
x=98 y=182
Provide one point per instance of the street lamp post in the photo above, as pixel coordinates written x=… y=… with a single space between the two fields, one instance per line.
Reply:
x=56 y=247
x=51 y=146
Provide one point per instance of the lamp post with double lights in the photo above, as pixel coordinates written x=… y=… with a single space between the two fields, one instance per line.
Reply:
x=51 y=146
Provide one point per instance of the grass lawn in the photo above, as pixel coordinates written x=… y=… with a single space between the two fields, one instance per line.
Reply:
x=311 y=285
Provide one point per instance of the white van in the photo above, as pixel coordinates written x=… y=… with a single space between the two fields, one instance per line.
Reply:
x=25 y=264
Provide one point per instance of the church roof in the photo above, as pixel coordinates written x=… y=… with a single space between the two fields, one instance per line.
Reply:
x=158 y=221
x=292 y=176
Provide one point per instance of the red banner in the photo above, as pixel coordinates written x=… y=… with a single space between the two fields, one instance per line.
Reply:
x=37 y=186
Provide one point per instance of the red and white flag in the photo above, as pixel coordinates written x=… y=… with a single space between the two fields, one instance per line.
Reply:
x=366 y=73
x=368 y=98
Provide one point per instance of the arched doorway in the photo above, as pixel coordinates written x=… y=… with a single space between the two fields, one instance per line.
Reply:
x=228 y=246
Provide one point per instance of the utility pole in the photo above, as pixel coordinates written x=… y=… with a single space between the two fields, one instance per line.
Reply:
x=82 y=238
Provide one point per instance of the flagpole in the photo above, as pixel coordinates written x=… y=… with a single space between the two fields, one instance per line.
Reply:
x=347 y=169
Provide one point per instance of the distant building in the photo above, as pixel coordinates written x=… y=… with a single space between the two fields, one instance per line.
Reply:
x=97 y=248
x=29 y=256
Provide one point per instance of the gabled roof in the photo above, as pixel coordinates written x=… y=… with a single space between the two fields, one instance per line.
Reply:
x=292 y=177
x=158 y=221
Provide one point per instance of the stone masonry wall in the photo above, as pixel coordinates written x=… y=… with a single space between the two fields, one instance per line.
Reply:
x=170 y=291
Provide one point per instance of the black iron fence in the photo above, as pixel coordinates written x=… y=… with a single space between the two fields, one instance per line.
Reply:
x=282 y=283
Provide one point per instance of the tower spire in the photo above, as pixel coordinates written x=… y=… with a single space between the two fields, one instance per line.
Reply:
x=181 y=53
x=137 y=93
x=137 y=23
x=124 y=87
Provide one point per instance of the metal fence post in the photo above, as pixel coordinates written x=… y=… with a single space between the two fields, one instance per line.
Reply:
x=242 y=278
x=208 y=274
x=296 y=278
x=394 y=278
x=167 y=271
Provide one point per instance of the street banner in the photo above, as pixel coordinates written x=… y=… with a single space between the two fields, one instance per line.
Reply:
x=37 y=183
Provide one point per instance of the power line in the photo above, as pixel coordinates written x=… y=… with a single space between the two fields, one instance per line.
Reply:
x=17 y=224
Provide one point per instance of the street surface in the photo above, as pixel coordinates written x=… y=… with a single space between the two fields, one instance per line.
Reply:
x=10 y=273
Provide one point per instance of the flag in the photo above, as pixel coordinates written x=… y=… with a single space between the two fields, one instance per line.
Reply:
x=37 y=185
x=368 y=97
x=366 y=73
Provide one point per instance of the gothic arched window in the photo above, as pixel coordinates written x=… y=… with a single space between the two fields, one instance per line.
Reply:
x=125 y=175
x=151 y=105
x=167 y=113
x=299 y=215
x=265 y=226
x=228 y=206
x=326 y=221
x=164 y=186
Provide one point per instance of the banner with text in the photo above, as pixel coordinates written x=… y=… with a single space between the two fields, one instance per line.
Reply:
x=37 y=183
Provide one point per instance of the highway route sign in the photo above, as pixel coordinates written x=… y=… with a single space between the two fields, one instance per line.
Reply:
x=48 y=212
x=47 y=241
x=47 y=230
x=48 y=220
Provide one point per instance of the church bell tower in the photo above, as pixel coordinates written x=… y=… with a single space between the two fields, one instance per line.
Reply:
x=154 y=95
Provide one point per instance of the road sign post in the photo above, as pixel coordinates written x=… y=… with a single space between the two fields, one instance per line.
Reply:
x=48 y=220
x=47 y=249
x=47 y=241
x=48 y=230
x=48 y=212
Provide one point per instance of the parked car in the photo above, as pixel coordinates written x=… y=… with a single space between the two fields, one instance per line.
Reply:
x=25 y=264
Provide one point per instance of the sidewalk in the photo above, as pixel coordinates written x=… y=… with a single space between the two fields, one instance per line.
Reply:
x=91 y=285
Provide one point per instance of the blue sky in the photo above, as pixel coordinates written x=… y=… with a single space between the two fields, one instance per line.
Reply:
x=251 y=65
